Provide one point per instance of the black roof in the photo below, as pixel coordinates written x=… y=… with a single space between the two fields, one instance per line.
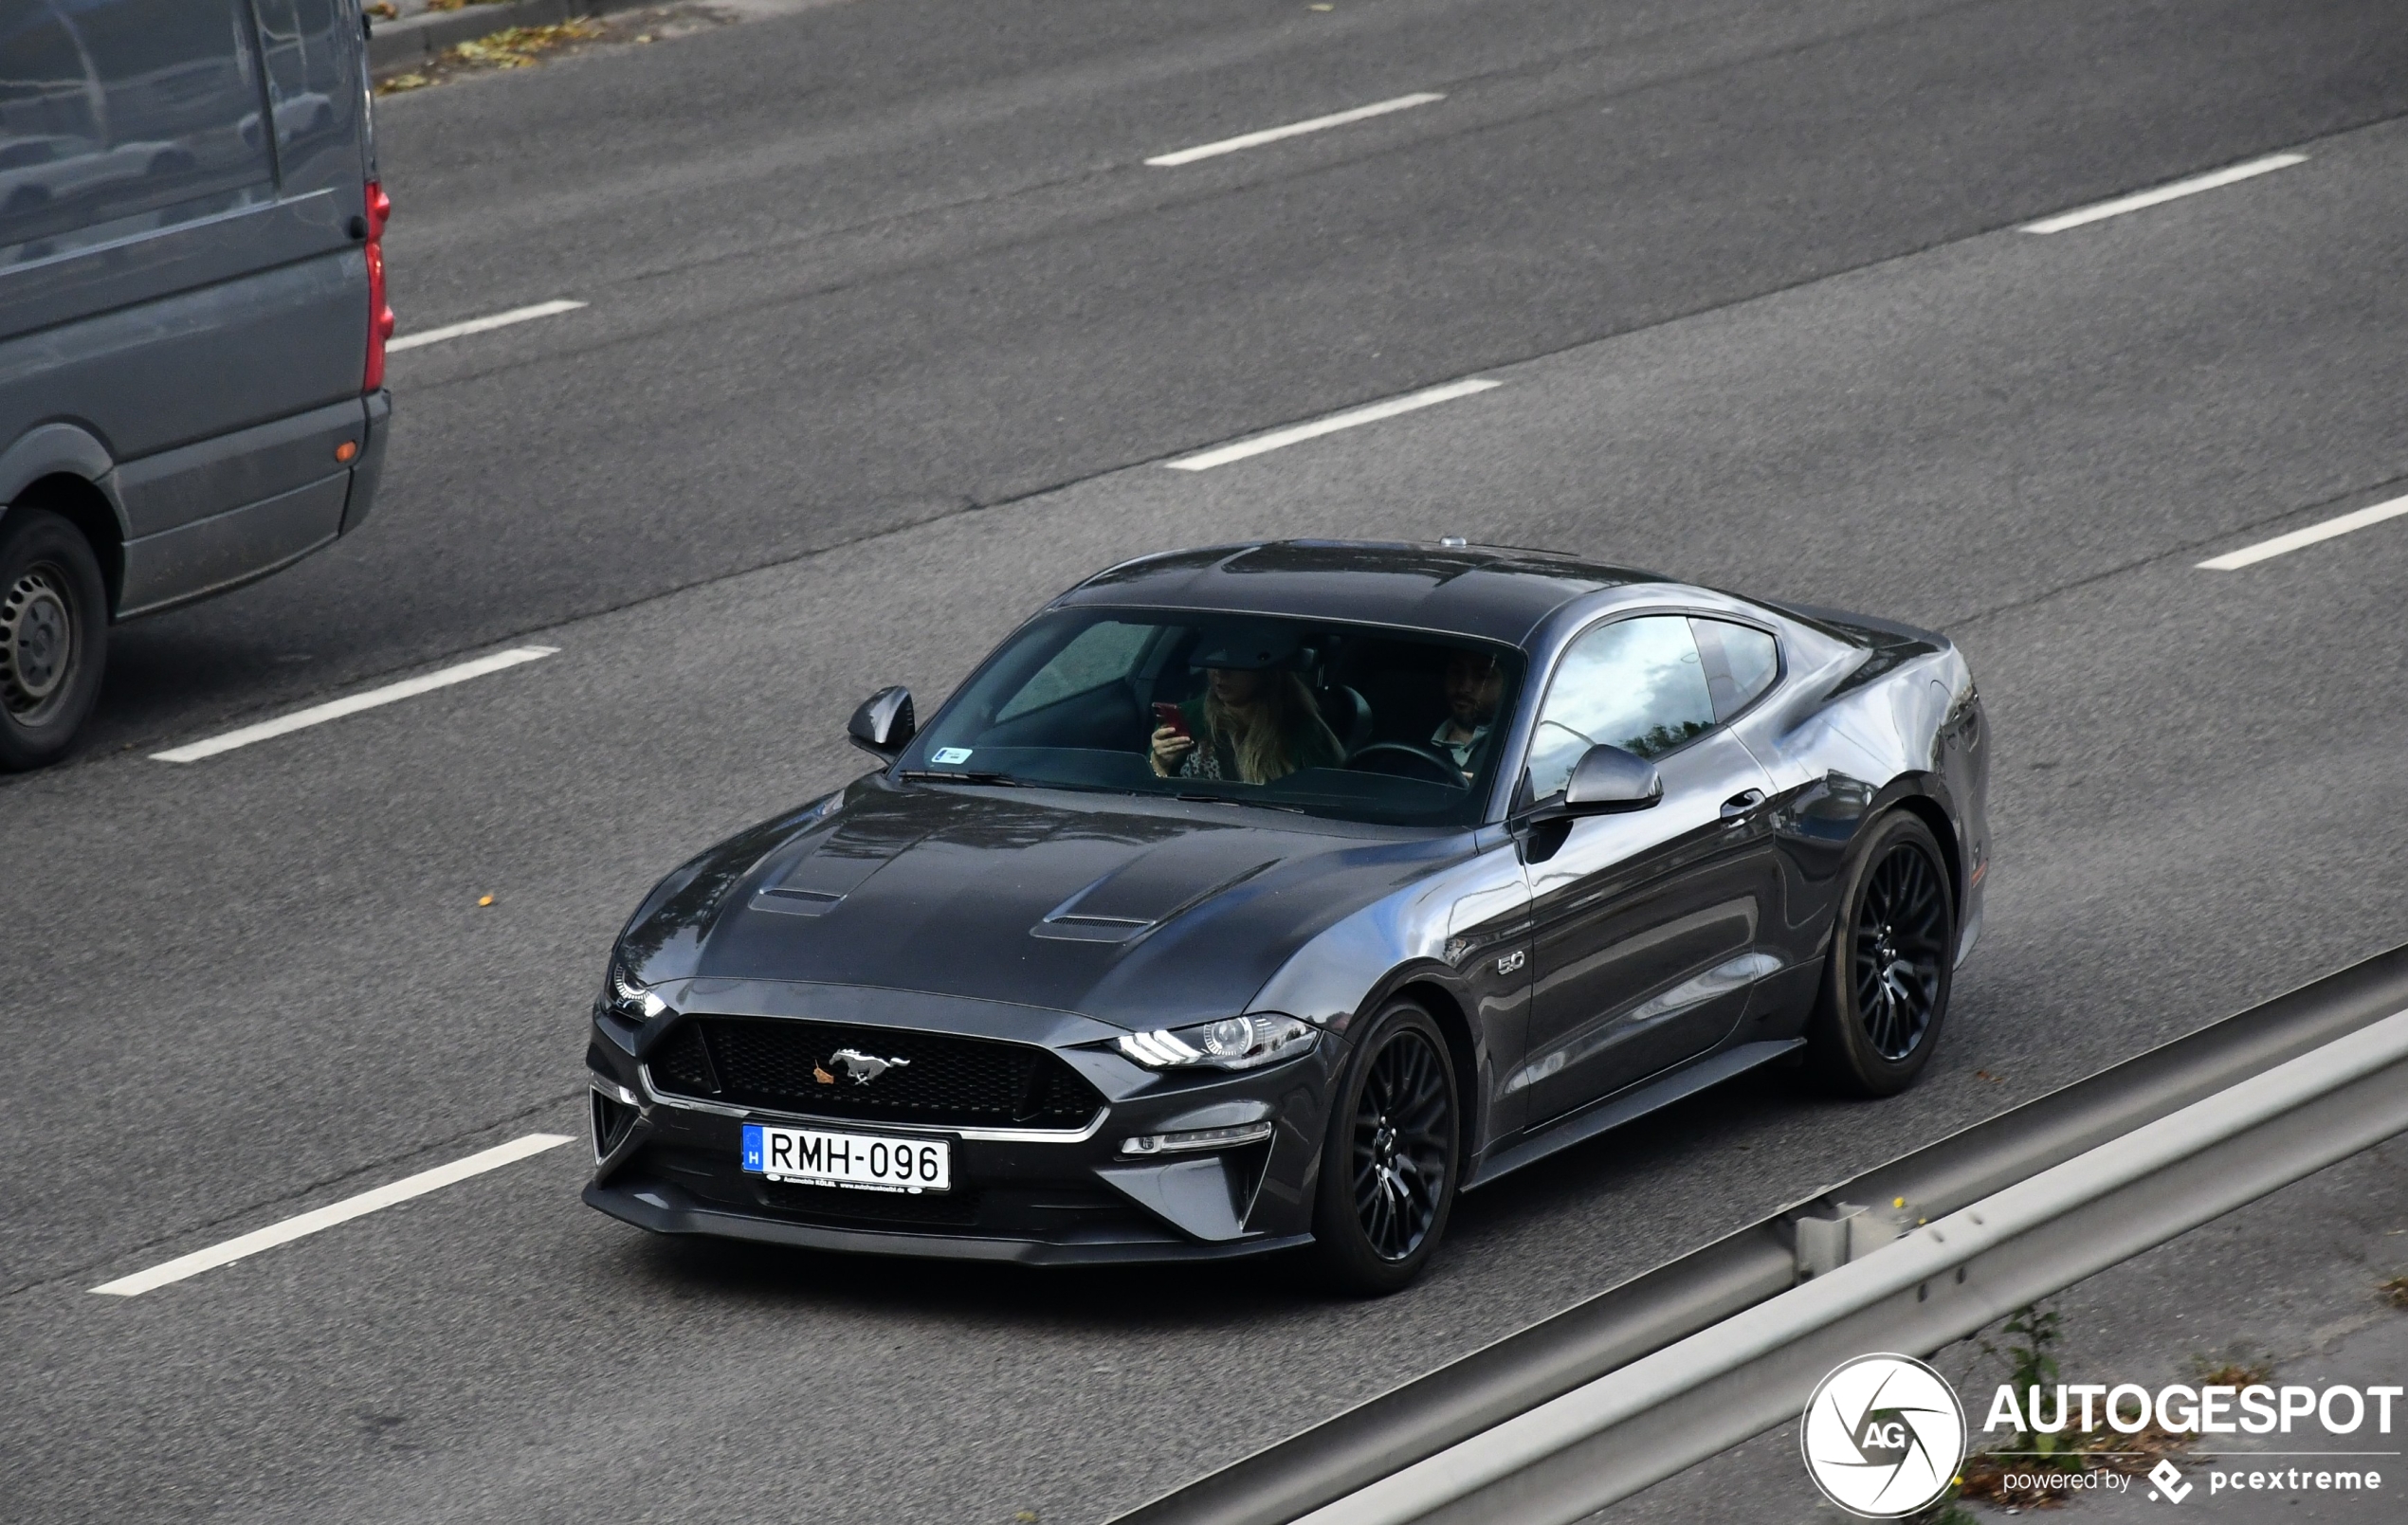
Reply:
x=1496 y=592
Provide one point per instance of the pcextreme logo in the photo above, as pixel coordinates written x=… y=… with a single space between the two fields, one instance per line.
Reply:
x=1884 y=1436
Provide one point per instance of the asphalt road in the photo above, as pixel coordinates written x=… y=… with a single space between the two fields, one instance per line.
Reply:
x=1781 y=336
x=878 y=262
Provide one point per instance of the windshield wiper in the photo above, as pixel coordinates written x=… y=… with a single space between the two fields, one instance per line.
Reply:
x=1253 y=805
x=947 y=775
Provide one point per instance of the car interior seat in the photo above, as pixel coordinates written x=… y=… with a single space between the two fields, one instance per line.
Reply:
x=1347 y=714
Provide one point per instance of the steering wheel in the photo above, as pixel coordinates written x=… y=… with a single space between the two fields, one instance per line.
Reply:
x=1409 y=759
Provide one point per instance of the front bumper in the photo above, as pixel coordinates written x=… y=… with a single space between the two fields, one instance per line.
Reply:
x=669 y=1163
x=660 y=1210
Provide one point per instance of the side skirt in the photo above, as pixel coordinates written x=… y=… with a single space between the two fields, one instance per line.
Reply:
x=1648 y=1096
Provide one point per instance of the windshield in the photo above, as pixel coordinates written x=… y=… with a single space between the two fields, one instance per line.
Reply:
x=1355 y=721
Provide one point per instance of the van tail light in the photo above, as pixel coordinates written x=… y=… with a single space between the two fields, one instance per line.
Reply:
x=380 y=315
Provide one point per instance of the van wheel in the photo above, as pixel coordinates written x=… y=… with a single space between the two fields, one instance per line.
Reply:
x=53 y=636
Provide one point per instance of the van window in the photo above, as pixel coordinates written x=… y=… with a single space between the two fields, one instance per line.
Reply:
x=118 y=115
x=305 y=79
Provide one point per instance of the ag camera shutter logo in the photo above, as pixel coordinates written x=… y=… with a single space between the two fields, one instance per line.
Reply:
x=1884 y=1436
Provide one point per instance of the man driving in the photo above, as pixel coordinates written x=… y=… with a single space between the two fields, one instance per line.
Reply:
x=1475 y=687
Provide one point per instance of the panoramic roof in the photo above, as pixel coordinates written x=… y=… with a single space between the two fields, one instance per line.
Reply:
x=1499 y=592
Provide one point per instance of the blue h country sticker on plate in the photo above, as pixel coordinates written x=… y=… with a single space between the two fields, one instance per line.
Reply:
x=752 y=1146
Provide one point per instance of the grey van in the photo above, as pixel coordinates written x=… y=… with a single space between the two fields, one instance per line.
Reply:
x=193 y=320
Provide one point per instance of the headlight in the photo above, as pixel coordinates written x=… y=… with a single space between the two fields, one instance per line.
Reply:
x=639 y=998
x=1231 y=1043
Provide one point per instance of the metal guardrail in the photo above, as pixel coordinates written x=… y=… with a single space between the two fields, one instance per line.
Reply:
x=1662 y=1370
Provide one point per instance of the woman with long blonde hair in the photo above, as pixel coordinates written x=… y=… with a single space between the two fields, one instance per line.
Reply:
x=1249 y=725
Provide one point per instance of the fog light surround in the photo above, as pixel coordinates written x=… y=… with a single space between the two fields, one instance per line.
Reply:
x=1195 y=1139
x=615 y=1114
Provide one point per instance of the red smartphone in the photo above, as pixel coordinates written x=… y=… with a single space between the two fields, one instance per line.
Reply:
x=1168 y=715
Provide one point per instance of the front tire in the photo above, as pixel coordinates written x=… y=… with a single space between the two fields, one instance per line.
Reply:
x=1391 y=1156
x=54 y=630
x=1887 y=975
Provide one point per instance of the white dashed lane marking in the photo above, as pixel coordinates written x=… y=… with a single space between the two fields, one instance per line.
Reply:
x=2283 y=544
x=328 y=1216
x=1276 y=439
x=336 y=709
x=2175 y=192
x=479 y=325
x=1272 y=135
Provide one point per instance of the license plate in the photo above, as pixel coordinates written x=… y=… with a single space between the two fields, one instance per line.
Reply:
x=864 y=1161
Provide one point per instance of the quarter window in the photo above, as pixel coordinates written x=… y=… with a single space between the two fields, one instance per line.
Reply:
x=1637 y=684
x=1740 y=663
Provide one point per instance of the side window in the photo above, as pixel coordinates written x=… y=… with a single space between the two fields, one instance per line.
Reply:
x=124 y=111
x=1637 y=684
x=1740 y=663
x=52 y=109
x=301 y=43
x=1096 y=656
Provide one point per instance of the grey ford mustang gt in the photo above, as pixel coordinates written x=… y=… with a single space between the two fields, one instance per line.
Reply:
x=1265 y=897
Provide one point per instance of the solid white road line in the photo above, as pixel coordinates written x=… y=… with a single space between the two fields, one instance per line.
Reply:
x=478 y=325
x=2164 y=193
x=328 y=1216
x=1272 y=135
x=2283 y=544
x=1372 y=414
x=336 y=709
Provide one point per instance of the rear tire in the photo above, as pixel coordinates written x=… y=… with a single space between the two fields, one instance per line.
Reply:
x=1390 y=1157
x=1887 y=975
x=54 y=627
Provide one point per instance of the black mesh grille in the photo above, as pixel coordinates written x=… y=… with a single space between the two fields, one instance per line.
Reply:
x=947 y=1082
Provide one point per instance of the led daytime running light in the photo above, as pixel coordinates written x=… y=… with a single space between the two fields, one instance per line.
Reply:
x=1197 y=1138
x=1159 y=1049
x=632 y=994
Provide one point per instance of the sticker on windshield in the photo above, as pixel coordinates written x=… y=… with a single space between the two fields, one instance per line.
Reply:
x=947 y=757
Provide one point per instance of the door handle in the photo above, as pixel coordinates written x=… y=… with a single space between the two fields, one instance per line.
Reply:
x=1735 y=808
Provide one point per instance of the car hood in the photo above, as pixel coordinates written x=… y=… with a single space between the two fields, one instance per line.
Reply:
x=1141 y=912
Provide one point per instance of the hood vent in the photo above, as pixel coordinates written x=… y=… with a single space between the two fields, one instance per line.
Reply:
x=1143 y=894
x=835 y=867
x=795 y=903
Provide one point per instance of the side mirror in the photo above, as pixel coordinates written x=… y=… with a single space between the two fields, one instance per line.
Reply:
x=1608 y=780
x=884 y=724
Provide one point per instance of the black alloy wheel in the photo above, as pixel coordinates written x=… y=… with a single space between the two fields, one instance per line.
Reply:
x=1388 y=1172
x=53 y=634
x=1900 y=944
x=1886 y=989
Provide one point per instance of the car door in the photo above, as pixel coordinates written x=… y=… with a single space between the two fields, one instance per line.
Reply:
x=1647 y=924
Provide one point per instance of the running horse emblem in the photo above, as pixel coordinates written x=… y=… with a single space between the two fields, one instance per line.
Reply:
x=863 y=1068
